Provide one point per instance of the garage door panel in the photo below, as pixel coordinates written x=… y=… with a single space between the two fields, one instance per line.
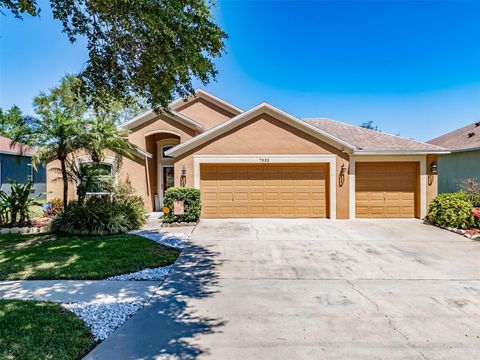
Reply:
x=264 y=190
x=386 y=189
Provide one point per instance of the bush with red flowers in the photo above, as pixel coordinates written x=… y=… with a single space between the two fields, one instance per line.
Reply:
x=476 y=215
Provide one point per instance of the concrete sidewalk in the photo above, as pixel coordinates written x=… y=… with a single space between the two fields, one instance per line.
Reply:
x=68 y=291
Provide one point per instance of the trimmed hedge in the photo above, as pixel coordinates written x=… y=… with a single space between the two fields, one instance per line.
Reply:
x=451 y=210
x=191 y=203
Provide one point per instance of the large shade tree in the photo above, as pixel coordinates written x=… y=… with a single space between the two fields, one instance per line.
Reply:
x=151 y=49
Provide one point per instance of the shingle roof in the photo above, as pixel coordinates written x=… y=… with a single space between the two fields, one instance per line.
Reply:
x=464 y=138
x=369 y=140
x=5 y=146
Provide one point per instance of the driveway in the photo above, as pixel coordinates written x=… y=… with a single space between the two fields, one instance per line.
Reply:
x=308 y=289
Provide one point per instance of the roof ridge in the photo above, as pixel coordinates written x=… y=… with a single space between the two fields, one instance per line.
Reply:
x=376 y=132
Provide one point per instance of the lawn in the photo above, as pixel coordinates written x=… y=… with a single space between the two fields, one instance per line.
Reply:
x=48 y=257
x=41 y=330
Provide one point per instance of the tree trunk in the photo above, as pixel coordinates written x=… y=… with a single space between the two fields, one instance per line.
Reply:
x=65 y=184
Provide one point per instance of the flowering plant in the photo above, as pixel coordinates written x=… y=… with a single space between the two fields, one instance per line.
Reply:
x=476 y=214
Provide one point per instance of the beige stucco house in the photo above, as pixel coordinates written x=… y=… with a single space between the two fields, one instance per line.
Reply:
x=264 y=162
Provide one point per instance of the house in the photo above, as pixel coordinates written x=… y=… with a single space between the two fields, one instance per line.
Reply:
x=463 y=161
x=16 y=165
x=264 y=162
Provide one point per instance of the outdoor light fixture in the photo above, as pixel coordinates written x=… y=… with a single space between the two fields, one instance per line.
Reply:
x=183 y=177
x=434 y=168
x=343 y=169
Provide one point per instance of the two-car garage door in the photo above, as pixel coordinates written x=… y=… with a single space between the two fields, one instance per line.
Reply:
x=264 y=190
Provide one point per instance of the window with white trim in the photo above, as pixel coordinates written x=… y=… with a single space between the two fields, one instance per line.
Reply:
x=102 y=178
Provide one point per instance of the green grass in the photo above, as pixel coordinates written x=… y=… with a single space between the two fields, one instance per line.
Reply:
x=49 y=257
x=41 y=330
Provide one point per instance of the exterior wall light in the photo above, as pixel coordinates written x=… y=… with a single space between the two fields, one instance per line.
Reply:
x=343 y=169
x=183 y=177
x=434 y=168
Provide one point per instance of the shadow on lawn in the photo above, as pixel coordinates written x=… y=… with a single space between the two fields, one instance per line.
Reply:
x=167 y=326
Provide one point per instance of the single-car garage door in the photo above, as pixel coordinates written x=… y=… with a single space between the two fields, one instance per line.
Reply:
x=386 y=190
x=264 y=190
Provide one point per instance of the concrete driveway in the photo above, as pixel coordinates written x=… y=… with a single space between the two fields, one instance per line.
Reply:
x=308 y=289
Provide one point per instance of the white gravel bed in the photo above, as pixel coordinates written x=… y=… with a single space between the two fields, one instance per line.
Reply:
x=146 y=274
x=103 y=319
x=175 y=240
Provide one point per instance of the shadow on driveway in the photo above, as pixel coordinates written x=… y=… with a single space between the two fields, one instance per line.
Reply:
x=167 y=325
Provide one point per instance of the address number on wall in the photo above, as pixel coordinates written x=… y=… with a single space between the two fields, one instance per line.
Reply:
x=264 y=160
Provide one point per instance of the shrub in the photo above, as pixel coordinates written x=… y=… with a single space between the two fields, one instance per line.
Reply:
x=476 y=216
x=451 y=210
x=474 y=199
x=471 y=188
x=191 y=203
x=53 y=207
x=121 y=212
x=16 y=204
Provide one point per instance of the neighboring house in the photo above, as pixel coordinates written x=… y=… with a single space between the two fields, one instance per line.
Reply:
x=264 y=162
x=16 y=165
x=464 y=160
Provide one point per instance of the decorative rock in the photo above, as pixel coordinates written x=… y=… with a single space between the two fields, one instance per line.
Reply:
x=146 y=274
x=475 y=237
x=5 y=231
x=103 y=319
x=14 y=230
x=175 y=240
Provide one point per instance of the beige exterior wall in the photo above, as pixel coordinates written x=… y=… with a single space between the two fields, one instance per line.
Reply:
x=206 y=113
x=265 y=135
x=143 y=172
x=432 y=180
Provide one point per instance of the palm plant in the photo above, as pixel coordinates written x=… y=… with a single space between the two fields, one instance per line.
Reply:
x=100 y=135
x=56 y=132
x=85 y=176
x=5 y=200
x=20 y=202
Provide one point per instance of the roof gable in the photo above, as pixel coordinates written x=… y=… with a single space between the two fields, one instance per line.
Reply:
x=150 y=114
x=263 y=108
x=177 y=104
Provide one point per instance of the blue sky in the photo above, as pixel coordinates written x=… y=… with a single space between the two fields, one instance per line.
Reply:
x=411 y=67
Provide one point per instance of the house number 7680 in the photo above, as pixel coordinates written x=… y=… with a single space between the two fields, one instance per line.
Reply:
x=264 y=160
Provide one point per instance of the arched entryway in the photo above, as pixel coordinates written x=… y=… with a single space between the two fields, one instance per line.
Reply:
x=160 y=167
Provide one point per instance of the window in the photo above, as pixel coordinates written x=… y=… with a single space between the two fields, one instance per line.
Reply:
x=29 y=172
x=165 y=149
x=100 y=179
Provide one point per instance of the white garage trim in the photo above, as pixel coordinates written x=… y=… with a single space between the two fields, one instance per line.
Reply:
x=273 y=159
x=422 y=159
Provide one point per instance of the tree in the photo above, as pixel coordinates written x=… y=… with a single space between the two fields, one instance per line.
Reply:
x=151 y=49
x=101 y=134
x=11 y=121
x=56 y=131
x=65 y=124
x=370 y=125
